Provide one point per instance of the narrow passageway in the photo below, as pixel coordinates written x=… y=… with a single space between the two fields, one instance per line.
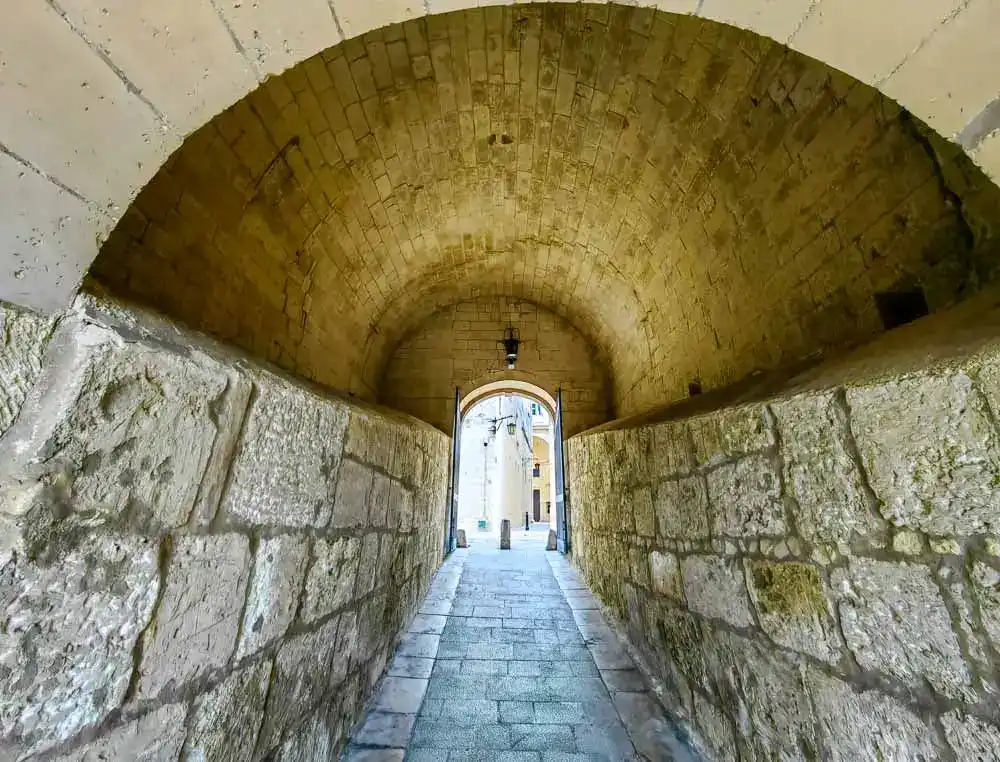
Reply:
x=510 y=659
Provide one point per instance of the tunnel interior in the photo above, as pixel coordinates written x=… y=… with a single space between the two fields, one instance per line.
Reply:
x=763 y=291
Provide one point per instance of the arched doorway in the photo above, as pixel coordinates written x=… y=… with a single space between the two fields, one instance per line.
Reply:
x=480 y=491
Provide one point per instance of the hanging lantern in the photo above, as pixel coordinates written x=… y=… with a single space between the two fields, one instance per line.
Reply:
x=511 y=342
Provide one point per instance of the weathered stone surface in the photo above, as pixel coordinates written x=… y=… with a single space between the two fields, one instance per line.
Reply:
x=665 y=573
x=122 y=429
x=67 y=630
x=714 y=587
x=461 y=541
x=228 y=718
x=931 y=453
x=273 y=593
x=154 y=737
x=400 y=507
x=505 y=534
x=642 y=508
x=370 y=438
x=682 y=508
x=302 y=677
x=972 y=739
x=746 y=499
x=714 y=728
x=368 y=577
x=311 y=741
x=895 y=621
x=284 y=469
x=23 y=340
x=731 y=432
x=354 y=489
x=199 y=612
x=671 y=453
x=378 y=511
x=819 y=470
x=867 y=726
x=986 y=589
x=792 y=607
x=332 y=575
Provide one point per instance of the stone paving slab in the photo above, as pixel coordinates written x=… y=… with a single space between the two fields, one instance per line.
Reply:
x=510 y=660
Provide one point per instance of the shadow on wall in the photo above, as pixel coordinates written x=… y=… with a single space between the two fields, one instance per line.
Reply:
x=194 y=549
x=815 y=574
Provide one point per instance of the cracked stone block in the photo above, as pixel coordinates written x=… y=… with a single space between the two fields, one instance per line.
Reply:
x=823 y=477
x=730 y=433
x=931 y=453
x=895 y=621
x=400 y=507
x=867 y=726
x=670 y=450
x=792 y=607
x=154 y=737
x=199 y=612
x=746 y=499
x=354 y=489
x=116 y=430
x=331 y=578
x=312 y=741
x=370 y=438
x=273 y=592
x=682 y=508
x=642 y=508
x=665 y=574
x=972 y=739
x=24 y=337
x=285 y=467
x=714 y=587
x=228 y=718
x=368 y=578
x=764 y=693
x=986 y=590
x=67 y=630
x=303 y=674
x=378 y=510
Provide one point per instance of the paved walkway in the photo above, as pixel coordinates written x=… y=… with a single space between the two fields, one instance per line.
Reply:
x=510 y=660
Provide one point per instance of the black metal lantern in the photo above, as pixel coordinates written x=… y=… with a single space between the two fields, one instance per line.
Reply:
x=511 y=342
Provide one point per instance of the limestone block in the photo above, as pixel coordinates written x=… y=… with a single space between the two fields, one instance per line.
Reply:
x=792 y=607
x=714 y=729
x=312 y=741
x=154 y=737
x=368 y=566
x=69 y=626
x=665 y=573
x=370 y=438
x=273 y=593
x=642 y=509
x=682 y=508
x=550 y=543
x=124 y=429
x=23 y=339
x=670 y=450
x=199 y=612
x=731 y=432
x=867 y=726
x=378 y=504
x=746 y=499
x=354 y=488
x=986 y=590
x=505 y=534
x=348 y=642
x=819 y=470
x=228 y=718
x=714 y=587
x=931 y=453
x=972 y=739
x=400 y=507
x=284 y=469
x=462 y=542
x=895 y=621
x=302 y=675
x=331 y=578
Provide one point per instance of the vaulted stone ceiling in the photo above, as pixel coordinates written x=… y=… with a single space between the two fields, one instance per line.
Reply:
x=697 y=200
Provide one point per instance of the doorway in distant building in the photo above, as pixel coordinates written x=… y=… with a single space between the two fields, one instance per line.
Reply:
x=536 y=502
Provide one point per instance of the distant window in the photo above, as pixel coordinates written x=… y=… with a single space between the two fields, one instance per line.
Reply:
x=536 y=471
x=536 y=409
x=898 y=308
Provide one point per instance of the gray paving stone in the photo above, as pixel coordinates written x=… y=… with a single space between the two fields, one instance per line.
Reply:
x=439 y=734
x=542 y=737
x=384 y=729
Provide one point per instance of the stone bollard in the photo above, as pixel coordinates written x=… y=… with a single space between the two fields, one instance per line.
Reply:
x=551 y=544
x=461 y=540
x=505 y=534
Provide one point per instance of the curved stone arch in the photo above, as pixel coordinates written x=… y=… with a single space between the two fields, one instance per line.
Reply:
x=157 y=71
x=509 y=386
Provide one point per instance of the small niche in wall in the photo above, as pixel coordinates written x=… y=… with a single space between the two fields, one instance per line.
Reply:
x=694 y=388
x=897 y=308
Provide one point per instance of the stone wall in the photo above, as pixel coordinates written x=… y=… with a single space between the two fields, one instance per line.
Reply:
x=196 y=553
x=816 y=574
x=459 y=347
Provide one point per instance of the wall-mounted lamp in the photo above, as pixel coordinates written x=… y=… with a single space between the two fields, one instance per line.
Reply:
x=512 y=428
x=511 y=424
x=511 y=342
